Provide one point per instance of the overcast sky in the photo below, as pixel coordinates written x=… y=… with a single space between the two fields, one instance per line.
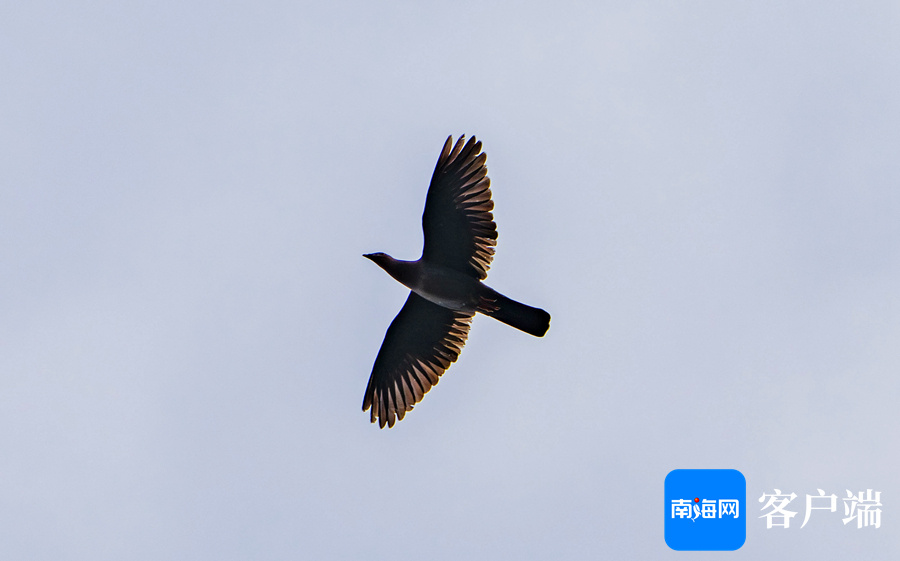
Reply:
x=704 y=195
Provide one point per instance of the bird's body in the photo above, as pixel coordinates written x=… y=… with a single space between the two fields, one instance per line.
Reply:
x=461 y=293
x=440 y=285
x=446 y=286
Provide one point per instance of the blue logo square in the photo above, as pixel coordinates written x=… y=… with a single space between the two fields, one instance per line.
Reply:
x=705 y=509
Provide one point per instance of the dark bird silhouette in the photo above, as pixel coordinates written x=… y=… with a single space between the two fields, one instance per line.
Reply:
x=445 y=283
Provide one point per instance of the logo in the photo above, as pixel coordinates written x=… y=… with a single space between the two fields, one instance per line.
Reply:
x=705 y=509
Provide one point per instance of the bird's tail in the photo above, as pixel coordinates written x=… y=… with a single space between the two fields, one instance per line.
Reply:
x=534 y=321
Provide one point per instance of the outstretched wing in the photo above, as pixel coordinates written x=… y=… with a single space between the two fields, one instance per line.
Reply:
x=421 y=343
x=460 y=232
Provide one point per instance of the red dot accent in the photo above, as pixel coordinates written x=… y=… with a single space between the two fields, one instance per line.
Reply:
x=696 y=500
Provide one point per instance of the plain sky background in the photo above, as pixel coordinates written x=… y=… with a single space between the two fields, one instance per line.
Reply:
x=704 y=195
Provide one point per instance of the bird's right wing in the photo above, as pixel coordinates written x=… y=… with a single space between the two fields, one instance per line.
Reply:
x=459 y=228
x=421 y=343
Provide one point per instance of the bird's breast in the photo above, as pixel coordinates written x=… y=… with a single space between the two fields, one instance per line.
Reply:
x=448 y=288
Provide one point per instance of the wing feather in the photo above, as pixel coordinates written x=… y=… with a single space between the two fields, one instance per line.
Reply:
x=459 y=228
x=421 y=343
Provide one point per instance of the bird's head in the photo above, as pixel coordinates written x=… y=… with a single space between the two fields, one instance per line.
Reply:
x=380 y=259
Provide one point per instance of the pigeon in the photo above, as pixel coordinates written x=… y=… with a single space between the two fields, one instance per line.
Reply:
x=446 y=288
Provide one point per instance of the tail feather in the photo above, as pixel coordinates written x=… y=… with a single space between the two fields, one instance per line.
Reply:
x=533 y=321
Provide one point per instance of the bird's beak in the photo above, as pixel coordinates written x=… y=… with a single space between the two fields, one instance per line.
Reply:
x=368 y=256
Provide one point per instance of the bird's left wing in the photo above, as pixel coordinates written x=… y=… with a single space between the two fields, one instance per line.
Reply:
x=421 y=343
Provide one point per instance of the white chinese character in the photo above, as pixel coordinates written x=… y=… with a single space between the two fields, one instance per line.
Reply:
x=681 y=508
x=809 y=507
x=729 y=506
x=778 y=509
x=708 y=508
x=861 y=508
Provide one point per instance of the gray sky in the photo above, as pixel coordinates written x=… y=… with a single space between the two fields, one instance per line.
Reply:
x=704 y=196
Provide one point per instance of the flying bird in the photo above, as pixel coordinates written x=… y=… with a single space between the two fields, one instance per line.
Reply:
x=445 y=286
